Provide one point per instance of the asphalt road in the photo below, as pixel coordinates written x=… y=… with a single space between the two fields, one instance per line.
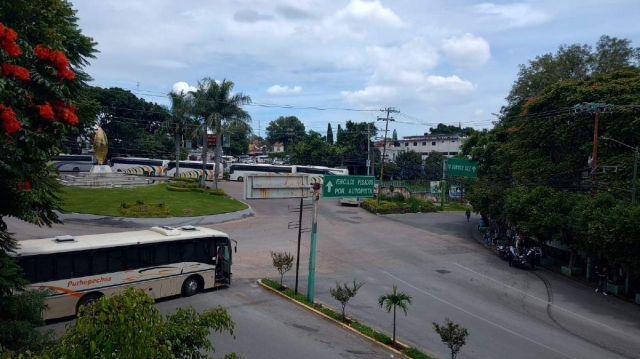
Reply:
x=433 y=257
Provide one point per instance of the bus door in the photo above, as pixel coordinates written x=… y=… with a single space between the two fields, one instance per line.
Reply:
x=223 y=263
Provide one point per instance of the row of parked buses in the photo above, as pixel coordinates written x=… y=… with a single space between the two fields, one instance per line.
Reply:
x=158 y=167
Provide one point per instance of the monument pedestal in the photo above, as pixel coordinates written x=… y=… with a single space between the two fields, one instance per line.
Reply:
x=100 y=169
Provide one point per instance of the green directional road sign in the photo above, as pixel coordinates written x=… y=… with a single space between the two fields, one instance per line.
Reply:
x=457 y=167
x=347 y=186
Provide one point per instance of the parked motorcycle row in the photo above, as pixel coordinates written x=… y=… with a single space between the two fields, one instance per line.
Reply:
x=520 y=257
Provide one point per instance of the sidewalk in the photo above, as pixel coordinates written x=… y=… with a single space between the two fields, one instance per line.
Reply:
x=122 y=222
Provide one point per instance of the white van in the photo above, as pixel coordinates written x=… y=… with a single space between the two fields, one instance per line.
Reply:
x=263 y=159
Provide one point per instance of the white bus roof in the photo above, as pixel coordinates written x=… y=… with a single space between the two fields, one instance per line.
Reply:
x=108 y=240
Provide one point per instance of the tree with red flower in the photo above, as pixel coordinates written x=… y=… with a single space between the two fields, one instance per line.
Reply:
x=18 y=72
x=46 y=111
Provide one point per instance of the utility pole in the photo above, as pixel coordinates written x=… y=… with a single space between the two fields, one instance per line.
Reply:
x=312 y=246
x=443 y=183
x=299 y=238
x=178 y=137
x=389 y=111
x=368 y=151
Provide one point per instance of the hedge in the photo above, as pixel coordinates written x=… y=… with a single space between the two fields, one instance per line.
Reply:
x=398 y=204
x=184 y=179
x=217 y=192
x=178 y=189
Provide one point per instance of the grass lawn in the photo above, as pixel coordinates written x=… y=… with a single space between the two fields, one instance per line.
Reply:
x=107 y=201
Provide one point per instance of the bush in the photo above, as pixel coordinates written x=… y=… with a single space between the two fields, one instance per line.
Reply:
x=398 y=197
x=177 y=189
x=201 y=190
x=184 y=179
x=217 y=192
x=408 y=205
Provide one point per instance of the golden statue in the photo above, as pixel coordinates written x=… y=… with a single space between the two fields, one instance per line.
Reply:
x=100 y=146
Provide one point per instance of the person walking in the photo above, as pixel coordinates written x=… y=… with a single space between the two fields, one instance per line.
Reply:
x=468 y=214
x=603 y=279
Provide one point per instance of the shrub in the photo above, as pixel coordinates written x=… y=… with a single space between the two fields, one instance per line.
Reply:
x=124 y=205
x=398 y=197
x=217 y=192
x=283 y=262
x=198 y=189
x=184 y=179
x=177 y=189
x=344 y=293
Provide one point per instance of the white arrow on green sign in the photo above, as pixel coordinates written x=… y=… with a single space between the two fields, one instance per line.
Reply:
x=458 y=167
x=348 y=186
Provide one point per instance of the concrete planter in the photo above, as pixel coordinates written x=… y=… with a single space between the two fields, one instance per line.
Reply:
x=547 y=261
x=615 y=289
x=571 y=272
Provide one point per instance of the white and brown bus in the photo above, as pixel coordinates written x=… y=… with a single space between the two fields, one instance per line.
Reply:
x=163 y=261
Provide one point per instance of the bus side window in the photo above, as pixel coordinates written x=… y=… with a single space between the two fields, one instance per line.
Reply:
x=189 y=251
x=212 y=248
x=44 y=269
x=146 y=256
x=116 y=260
x=175 y=252
x=82 y=264
x=133 y=257
x=29 y=267
x=99 y=262
x=162 y=254
x=64 y=267
x=200 y=250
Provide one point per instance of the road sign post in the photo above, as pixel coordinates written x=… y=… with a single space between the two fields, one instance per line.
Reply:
x=348 y=186
x=312 y=246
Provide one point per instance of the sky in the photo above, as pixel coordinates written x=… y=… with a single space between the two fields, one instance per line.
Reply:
x=329 y=61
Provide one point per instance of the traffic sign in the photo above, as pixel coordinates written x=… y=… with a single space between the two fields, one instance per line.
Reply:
x=457 y=167
x=347 y=186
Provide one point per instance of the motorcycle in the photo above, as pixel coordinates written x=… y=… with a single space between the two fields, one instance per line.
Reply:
x=503 y=252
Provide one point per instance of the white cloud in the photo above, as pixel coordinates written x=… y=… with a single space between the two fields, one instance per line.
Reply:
x=515 y=15
x=182 y=87
x=371 y=95
x=478 y=112
x=452 y=84
x=371 y=12
x=282 y=90
x=467 y=50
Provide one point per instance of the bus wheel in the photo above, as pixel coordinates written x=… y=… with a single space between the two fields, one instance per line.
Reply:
x=76 y=169
x=146 y=173
x=240 y=179
x=191 y=286
x=88 y=299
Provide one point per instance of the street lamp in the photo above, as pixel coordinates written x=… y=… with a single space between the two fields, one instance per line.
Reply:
x=635 y=165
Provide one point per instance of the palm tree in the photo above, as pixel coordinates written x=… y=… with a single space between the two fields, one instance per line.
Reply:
x=178 y=122
x=393 y=300
x=214 y=103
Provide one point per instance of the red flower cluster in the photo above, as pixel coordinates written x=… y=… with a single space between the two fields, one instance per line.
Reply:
x=46 y=111
x=9 y=121
x=15 y=71
x=24 y=186
x=64 y=112
x=59 y=60
x=8 y=41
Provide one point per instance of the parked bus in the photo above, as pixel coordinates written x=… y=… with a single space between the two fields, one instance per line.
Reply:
x=239 y=171
x=72 y=163
x=139 y=166
x=163 y=261
x=193 y=169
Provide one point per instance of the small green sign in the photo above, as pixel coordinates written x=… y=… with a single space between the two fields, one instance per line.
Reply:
x=347 y=186
x=457 y=167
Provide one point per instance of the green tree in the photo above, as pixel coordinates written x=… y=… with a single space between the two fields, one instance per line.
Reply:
x=453 y=335
x=339 y=134
x=130 y=123
x=40 y=103
x=570 y=62
x=128 y=325
x=396 y=143
x=329 y=134
x=433 y=166
x=409 y=164
x=214 y=104
x=442 y=129
x=238 y=133
x=282 y=262
x=315 y=150
x=343 y=293
x=288 y=130
x=178 y=123
x=353 y=143
x=392 y=300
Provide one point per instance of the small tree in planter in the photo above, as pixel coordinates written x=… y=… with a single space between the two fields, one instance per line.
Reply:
x=283 y=262
x=452 y=335
x=391 y=301
x=343 y=293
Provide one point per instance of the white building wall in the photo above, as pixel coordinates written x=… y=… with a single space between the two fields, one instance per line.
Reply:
x=448 y=145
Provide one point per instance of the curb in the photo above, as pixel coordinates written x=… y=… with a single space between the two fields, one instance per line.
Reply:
x=125 y=222
x=259 y=281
